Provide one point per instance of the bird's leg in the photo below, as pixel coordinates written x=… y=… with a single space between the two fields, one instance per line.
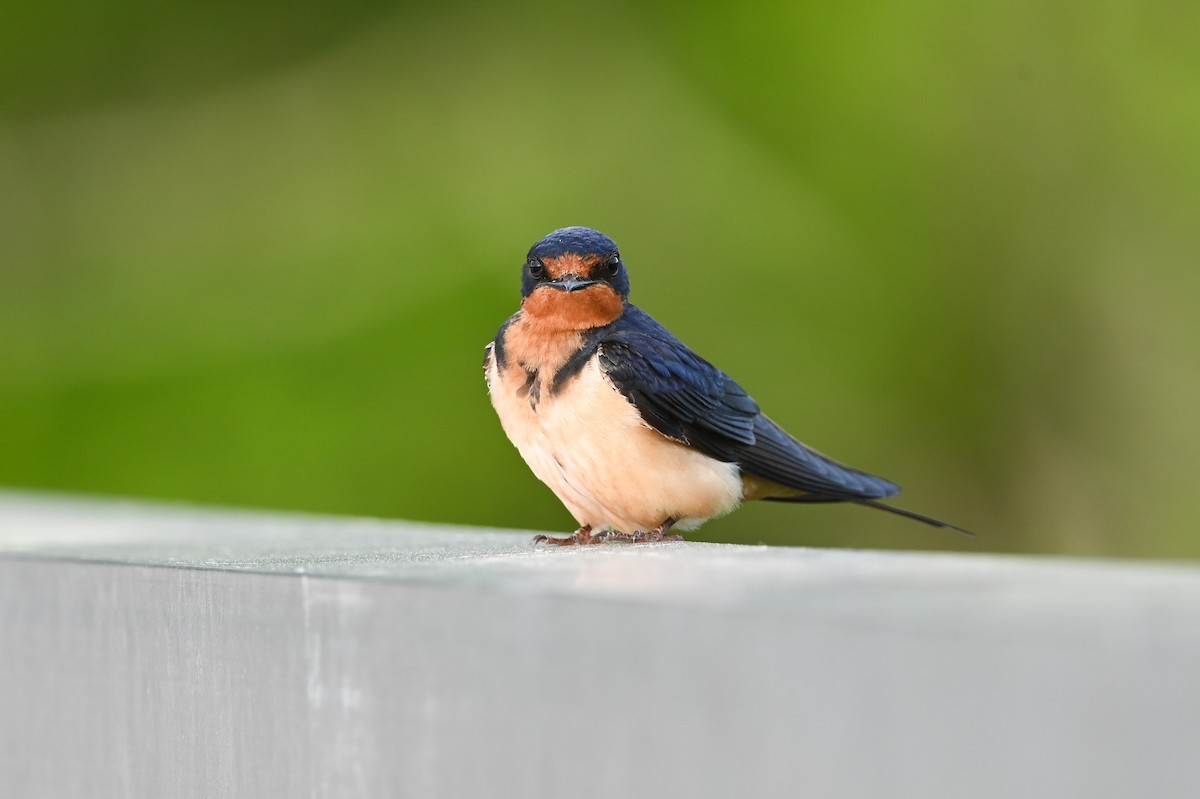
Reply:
x=660 y=533
x=581 y=536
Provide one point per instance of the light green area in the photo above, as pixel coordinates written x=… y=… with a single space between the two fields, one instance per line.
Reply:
x=250 y=255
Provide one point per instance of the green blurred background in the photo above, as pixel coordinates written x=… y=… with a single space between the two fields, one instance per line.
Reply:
x=250 y=253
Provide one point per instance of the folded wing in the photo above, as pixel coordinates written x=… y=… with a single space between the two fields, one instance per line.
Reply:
x=689 y=400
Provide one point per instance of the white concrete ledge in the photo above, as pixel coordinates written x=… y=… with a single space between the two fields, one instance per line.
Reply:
x=166 y=651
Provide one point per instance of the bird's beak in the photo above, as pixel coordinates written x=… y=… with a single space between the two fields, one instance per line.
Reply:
x=570 y=283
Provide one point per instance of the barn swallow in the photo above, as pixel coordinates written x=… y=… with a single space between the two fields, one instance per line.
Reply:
x=633 y=432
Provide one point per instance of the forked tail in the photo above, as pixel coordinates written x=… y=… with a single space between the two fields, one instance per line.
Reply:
x=908 y=514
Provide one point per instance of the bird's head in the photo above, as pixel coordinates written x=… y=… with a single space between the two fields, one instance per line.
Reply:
x=574 y=279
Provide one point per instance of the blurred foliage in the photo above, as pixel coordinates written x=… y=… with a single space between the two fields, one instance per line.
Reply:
x=250 y=253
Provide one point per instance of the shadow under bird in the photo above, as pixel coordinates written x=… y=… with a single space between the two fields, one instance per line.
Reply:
x=633 y=432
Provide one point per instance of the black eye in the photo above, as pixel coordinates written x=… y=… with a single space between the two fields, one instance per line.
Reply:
x=536 y=269
x=612 y=266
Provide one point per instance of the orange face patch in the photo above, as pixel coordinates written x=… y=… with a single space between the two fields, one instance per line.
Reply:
x=558 y=311
x=570 y=264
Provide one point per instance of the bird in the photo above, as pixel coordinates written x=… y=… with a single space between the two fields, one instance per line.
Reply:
x=637 y=435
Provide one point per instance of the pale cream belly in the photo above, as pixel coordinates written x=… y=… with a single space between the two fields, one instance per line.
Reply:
x=589 y=445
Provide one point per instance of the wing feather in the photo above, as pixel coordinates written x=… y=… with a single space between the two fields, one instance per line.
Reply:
x=687 y=399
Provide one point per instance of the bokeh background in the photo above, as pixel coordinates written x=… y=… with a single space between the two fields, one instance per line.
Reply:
x=250 y=253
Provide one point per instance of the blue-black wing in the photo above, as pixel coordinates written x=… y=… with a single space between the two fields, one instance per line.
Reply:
x=687 y=399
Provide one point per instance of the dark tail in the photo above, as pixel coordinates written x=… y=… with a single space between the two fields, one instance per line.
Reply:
x=908 y=514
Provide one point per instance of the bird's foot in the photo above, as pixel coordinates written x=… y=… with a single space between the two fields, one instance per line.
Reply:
x=653 y=537
x=660 y=533
x=584 y=535
x=617 y=535
x=581 y=536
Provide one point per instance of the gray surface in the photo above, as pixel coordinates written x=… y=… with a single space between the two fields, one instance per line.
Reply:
x=158 y=651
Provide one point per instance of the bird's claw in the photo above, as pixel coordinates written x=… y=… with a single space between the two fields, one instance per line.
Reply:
x=581 y=536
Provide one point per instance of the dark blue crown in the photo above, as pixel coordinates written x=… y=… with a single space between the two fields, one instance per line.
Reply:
x=578 y=240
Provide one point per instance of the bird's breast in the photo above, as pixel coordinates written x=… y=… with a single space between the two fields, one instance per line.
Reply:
x=591 y=447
